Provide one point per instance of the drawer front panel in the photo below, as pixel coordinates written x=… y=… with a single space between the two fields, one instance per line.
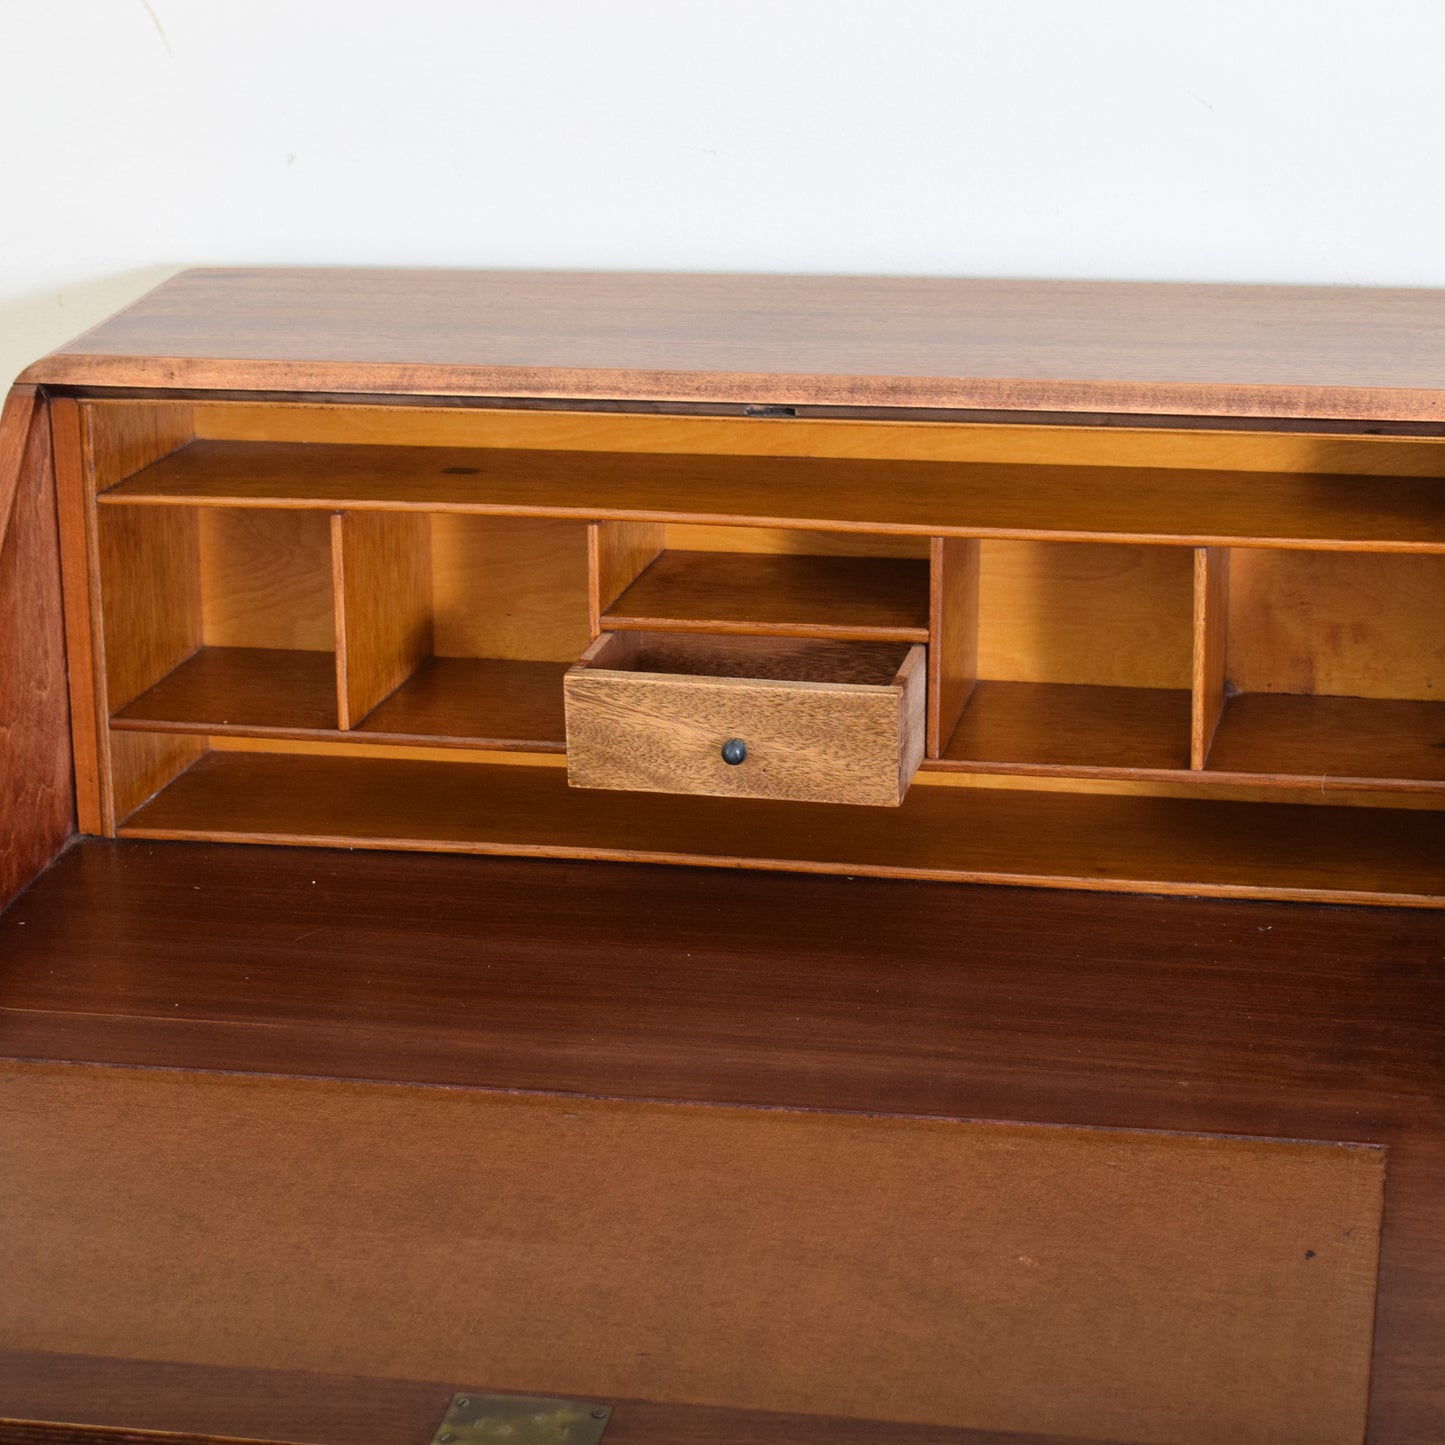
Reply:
x=812 y=742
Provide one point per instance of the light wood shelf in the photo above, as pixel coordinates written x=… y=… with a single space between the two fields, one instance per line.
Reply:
x=1131 y=504
x=1379 y=742
x=1129 y=844
x=1072 y=728
x=242 y=690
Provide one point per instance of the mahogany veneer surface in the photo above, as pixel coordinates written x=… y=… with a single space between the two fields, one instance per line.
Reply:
x=203 y=1403
x=1215 y=1015
x=1309 y=351
x=1181 y=1289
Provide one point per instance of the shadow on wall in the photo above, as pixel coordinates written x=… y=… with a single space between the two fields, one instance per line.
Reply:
x=33 y=324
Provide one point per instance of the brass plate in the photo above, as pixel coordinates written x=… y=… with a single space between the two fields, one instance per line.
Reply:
x=477 y=1419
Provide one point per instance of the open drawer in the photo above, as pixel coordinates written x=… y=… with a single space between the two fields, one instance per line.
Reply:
x=747 y=717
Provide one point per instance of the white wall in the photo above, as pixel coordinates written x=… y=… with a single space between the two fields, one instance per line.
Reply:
x=1252 y=140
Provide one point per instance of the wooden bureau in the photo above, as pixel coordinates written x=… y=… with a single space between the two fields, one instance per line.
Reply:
x=1044 y=682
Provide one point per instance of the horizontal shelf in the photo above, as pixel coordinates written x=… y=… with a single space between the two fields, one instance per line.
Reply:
x=1093 y=841
x=1035 y=727
x=848 y=598
x=1297 y=739
x=489 y=702
x=920 y=498
x=271 y=692
x=240 y=690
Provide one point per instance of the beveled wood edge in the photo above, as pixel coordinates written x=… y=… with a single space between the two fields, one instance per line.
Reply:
x=1283 y=400
x=15 y=418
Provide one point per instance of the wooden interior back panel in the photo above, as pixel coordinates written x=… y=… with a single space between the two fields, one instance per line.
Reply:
x=266 y=579
x=1351 y=625
x=1160 y=1288
x=1084 y=613
x=1109 y=441
x=509 y=587
x=151 y=600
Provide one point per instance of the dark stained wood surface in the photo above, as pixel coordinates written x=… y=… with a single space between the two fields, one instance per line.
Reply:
x=1274 y=1019
x=88 y=1400
x=806 y=1262
x=871 y=341
x=37 y=797
x=1033 y=838
x=1132 y=504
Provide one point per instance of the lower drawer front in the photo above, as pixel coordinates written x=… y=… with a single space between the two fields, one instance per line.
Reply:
x=805 y=740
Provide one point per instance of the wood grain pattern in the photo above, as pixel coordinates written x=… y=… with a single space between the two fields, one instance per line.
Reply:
x=1325 y=351
x=1083 y=441
x=16 y=416
x=617 y=552
x=952 y=635
x=1211 y=630
x=383 y=601
x=1213 y=1291
x=124 y=437
x=253 y=693
x=1037 y=839
x=691 y=537
x=37 y=797
x=475 y=702
x=513 y=588
x=1344 y=625
x=1160 y=1013
x=241 y=690
x=824 y=742
x=150 y=596
x=266 y=579
x=140 y=1400
x=1041 y=728
x=857 y=599
x=1111 y=616
x=1396 y=744
x=143 y=763
x=1135 y=504
x=80 y=569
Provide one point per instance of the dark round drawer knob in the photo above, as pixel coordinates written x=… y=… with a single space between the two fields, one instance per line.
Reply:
x=734 y=751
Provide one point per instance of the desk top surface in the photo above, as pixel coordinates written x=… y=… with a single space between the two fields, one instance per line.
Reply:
x=827 y=341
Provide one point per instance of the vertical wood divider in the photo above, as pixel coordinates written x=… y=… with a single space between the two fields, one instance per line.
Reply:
x=617 y=555
x=95 y=446
x=952 y=634
x=381 y=575
x=84 y=641
x=1211 y=624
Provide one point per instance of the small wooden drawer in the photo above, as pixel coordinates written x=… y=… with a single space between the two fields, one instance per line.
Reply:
x=813 y=721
